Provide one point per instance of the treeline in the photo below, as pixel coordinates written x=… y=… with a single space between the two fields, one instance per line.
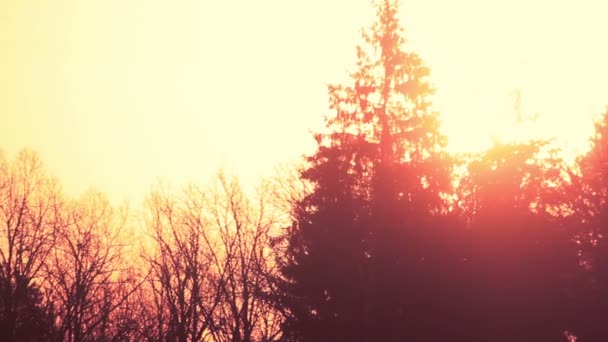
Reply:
x=195 y=266
x=380 y=236
x=399 y=241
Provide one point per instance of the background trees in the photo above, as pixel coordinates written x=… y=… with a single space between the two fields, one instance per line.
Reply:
x=69 y=271
x=212 y=265
x=63 y=273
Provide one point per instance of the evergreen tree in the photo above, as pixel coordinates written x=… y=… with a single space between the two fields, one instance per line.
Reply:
x=521 y=261
x=589 y=197
x=23 y=314
x=378 y=174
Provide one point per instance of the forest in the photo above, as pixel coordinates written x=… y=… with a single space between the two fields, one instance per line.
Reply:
x=379 y=235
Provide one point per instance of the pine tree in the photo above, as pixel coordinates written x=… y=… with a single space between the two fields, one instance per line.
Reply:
x=589 y=221
x=378 y=173
x=23 y=314
x=521 y=261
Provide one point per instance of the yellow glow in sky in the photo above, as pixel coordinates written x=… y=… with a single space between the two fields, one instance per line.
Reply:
x=114 y=94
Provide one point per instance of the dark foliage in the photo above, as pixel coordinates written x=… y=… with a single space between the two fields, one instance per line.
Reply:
x=383 y=249
x=23 y=314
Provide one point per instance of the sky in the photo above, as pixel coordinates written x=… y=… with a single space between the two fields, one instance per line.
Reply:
x=117 y=94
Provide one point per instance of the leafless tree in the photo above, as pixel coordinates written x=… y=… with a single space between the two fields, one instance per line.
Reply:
x=210 y=265
x=89 y=283
x=287 y=188
x=30 y=207
x=245 y=232
x=183 y=286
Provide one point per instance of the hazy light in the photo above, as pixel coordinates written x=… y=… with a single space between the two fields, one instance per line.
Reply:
x=114 y=94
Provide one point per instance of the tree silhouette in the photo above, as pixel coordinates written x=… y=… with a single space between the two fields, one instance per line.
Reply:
x=520 y=262
x=23 y=314
x=211 y=269
x=184 y=288
x=86 y=270
x=589 y=197
x=30 y=217
x=378 y=177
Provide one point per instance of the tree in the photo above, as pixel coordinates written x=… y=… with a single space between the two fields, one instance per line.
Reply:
x=212 y=270
x=86 y=271
x=30 y=217
x=184 y=286
x=34 y=320
x=521 y=261
x=378 y=177
x=245 y=231
x=589 y=208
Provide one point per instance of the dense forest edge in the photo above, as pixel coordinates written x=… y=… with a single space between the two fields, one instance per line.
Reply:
x=380 y=235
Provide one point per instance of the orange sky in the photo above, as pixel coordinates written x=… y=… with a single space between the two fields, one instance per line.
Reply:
x=115 y=94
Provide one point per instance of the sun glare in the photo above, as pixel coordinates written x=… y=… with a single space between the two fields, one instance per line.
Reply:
x=513 y=71
x=523 y=121
x=98 y=91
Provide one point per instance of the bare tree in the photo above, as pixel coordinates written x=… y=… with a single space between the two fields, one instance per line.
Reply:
x=89 y=283
x=245 y=233
x=30 y=205
x=210 y=267
x=183 y=286
x=286 y=189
